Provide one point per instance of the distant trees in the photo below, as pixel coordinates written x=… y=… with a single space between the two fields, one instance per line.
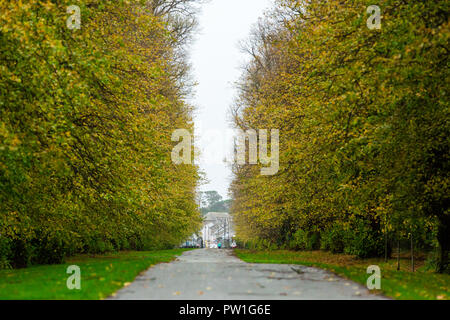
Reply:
x=363 y=118
x=211 y=201
x=86 y=118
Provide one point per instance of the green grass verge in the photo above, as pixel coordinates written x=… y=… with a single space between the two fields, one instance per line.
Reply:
x=404 y=284
x=101 y=275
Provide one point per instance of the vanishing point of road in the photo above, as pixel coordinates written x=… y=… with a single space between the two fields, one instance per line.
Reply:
x=213 y=274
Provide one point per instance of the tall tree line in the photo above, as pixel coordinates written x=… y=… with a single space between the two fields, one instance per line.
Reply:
x=86 y=118
x=364 y=127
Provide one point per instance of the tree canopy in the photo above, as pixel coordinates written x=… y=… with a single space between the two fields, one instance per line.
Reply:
x=364 y=133
x=86 y=117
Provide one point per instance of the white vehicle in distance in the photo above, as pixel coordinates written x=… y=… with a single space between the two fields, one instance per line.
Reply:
x=213 y=246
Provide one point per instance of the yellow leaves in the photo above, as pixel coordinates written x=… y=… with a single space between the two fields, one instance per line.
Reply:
x=347 y=155
x=92 y=160
x=15 y=142
x=15 y=78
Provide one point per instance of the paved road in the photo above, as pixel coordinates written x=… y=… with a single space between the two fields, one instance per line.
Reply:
x=212 y=274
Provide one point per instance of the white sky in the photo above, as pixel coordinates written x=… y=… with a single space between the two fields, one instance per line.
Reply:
x=216 y=61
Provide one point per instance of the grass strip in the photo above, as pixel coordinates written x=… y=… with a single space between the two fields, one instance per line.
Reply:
x=101 y=276
x=402 y=285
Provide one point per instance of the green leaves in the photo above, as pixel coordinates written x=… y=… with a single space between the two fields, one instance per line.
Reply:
x=369 y=142
x=85 y=148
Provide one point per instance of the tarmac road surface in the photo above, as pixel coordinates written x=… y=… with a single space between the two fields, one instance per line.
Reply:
x=213 y=274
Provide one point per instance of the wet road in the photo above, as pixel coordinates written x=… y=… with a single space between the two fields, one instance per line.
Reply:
x=212 y=274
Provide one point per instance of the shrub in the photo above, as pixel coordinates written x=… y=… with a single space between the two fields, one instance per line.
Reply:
x=363 y=241
x=305 y=240
x=333 y=239
x=5 y=253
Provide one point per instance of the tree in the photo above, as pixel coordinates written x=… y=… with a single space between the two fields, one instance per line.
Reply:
x=212 y=197
x=361 y=122
x=86 y=118
x=212 y=202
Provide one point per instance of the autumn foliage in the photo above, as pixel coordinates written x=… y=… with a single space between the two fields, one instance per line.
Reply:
x=86 y=118
x=364 y=133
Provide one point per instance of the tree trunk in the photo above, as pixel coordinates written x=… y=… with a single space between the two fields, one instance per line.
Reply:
x=385 y=240
x=398 y=255
x=443 y=237
x=385 y=246
x=412 y=253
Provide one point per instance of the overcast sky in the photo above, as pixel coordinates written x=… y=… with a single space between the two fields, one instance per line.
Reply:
x=216 y=60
